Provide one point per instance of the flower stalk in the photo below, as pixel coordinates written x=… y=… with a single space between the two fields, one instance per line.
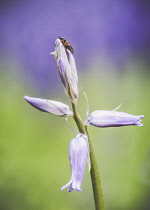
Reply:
x=94 y=172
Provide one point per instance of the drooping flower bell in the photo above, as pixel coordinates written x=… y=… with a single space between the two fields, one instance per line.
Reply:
x=78 y=154
x=67 y=69
x=53 y=107
x=103 y=118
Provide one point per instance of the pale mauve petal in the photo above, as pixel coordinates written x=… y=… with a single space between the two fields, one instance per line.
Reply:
x=67 y=77
x=50 y=106
x=104 y=118
x=78 y=154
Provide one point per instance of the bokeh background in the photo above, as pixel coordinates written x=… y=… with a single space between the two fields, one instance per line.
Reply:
x=112 y=50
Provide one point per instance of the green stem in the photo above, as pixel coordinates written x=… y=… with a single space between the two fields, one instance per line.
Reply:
x=95 y=177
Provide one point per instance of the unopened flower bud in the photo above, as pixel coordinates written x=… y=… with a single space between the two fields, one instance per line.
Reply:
x=67 y=69
x=53 y=107
x=78 y=154
x=67 y=78
x=103 y=118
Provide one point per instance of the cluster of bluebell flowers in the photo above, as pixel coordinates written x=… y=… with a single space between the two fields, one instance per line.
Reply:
x=79 y=147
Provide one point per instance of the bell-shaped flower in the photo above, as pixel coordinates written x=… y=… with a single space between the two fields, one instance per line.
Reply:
x=53 y=107
x=67 y=69
x=103 y=118
x=78 y=154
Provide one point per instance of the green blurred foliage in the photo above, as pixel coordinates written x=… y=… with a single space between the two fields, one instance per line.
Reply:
x=34 y=145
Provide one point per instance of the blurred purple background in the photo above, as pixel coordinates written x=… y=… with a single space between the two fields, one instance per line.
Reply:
x=117 y=31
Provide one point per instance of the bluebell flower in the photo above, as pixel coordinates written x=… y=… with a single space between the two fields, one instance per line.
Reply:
x=67 y=69
x=78 y=155
x=53 y=107
x=103 y=118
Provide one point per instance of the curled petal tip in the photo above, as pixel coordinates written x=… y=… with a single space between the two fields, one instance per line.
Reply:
x=139 y=120
x=139 y=124
x=141 y=117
